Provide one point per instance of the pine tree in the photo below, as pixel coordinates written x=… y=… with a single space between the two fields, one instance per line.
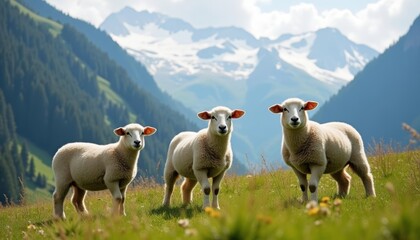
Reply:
x=24 y=155
x=31 y=171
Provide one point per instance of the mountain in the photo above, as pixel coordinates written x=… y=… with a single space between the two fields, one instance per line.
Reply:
x=383 y=95
x=183 y=59
x=57 y=87
x=135 y=69
x=205 y=67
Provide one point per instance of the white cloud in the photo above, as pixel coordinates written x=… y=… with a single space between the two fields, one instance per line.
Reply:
x=378 y=24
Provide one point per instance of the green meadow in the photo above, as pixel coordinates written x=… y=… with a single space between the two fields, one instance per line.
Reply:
x=261 y=206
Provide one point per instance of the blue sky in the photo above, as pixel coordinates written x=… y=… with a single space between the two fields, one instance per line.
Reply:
x=376 y=23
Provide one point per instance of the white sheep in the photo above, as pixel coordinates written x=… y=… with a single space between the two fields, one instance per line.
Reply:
x=92 y=167
x=198 y=156
x=312 y=148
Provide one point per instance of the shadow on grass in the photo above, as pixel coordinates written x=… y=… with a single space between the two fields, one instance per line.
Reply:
x=176 y=212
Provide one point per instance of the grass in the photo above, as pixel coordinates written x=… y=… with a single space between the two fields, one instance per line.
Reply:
x=53 y=27
x=261 y=206
x=112 y=96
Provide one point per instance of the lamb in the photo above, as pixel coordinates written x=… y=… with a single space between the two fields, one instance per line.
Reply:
x=198 y=156
x=92 y=167
x=312 y=148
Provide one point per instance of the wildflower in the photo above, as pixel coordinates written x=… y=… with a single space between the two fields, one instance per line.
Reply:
x=390 y=187
x=313 y=211
x=31 y=226
x=337 y=202
x=324 y=205
x=191 y=232
x=264 y=219
x=212 y=212
x=325 y=200
x=184 y=223
x=311 y=204
x=318 y=222
x=208 y=210
x=324 y=211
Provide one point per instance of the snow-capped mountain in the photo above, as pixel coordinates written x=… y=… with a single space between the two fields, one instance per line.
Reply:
x=184 y=59
x=228 y=66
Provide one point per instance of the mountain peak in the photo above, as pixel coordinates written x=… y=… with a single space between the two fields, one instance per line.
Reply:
x=127 y=10
x=333 y=50
x=114 y=24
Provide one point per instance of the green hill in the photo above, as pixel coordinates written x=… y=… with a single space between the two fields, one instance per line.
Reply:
x=263 y=206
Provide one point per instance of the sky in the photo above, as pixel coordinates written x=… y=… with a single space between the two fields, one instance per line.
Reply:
x=376 y=23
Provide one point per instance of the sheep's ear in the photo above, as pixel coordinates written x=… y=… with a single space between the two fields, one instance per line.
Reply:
x=277 y=108
x=309 y=105
x=237 y=113
x=119 y=131
x=204 y=115
x=149 y=131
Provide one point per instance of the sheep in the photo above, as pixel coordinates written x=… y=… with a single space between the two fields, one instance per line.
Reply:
x=312 y=148
x=198 y=156
x=92 y=167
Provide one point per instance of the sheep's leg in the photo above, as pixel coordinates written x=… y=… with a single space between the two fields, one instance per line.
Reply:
x=170 y=179
x=78 y=200
x=186 y=190
x=362 y=169
x=122 y=206
x=215 y=189
x=316 y=174
x=201 y=176
x=114 y=188
x=303 y=182
x=58 y=197
x=343 y=182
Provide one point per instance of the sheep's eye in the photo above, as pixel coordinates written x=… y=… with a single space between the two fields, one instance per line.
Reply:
x=230 y=117
x=214 y=118
x=302 y=108
x=129 y=134
x=285 y=110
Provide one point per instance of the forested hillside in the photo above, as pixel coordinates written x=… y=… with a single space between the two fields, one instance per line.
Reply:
x=57 y=87
x=384 y=95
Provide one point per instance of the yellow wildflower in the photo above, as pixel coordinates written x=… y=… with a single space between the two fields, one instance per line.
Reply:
x=313 y=211
x=265 y=219
x=208 y=210
x=214 y=213
x=323 y=204
x=325 y=200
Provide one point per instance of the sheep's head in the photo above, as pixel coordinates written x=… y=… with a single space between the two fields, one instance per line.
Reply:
x=221 y=119
x=293 y=112
x=132 y=135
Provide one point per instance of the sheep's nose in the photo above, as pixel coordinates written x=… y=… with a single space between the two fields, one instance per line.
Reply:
x=294 y=119
x=137 y=142
x=222 y=127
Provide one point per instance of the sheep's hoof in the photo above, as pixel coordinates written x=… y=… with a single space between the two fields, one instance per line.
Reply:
x=59 y=218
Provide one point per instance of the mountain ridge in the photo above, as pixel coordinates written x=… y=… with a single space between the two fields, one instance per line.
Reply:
x=384 y=89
